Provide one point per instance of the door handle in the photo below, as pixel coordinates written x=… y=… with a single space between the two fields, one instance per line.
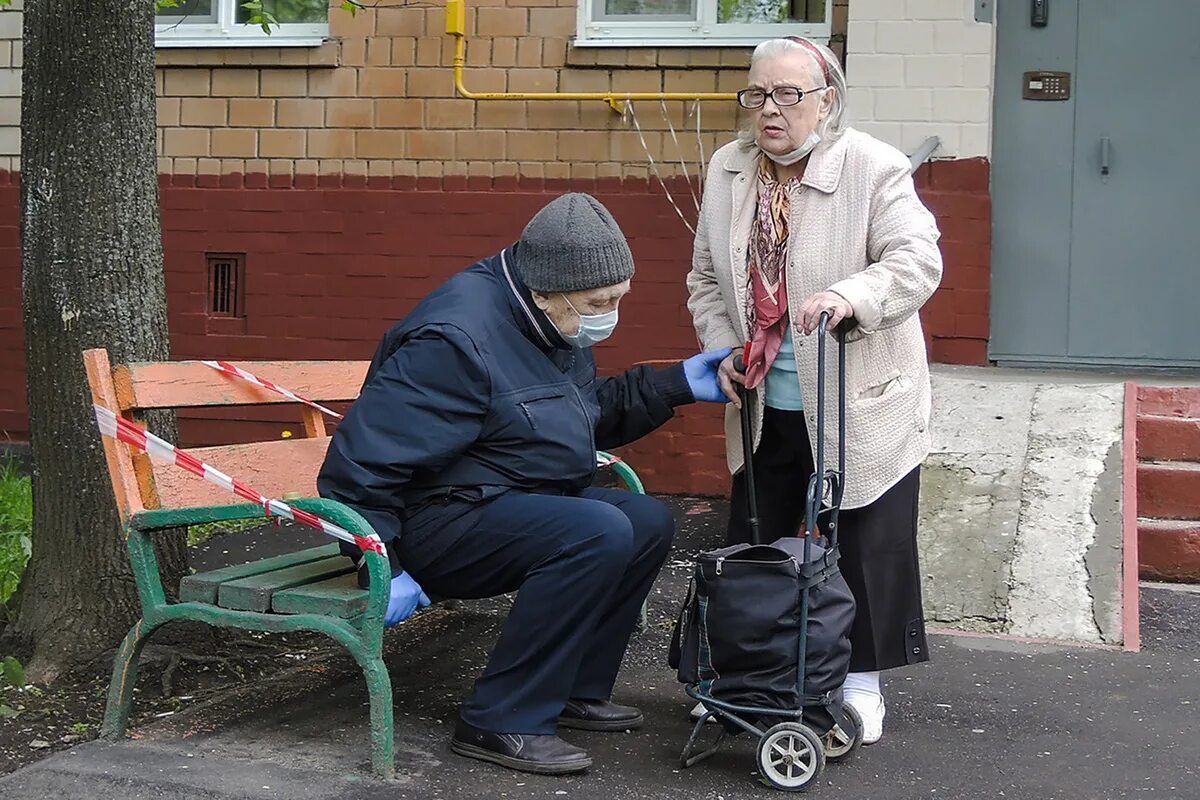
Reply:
x=1105 y=149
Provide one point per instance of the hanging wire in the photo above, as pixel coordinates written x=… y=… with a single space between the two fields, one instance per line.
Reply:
x=631 y=116
x=678 y=149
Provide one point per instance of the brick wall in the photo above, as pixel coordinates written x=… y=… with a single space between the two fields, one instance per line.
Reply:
x=919 y=68
x=329 y=269
x=10 y=86
x=379 y=101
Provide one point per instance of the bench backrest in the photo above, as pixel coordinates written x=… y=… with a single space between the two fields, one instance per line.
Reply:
x=280 y=468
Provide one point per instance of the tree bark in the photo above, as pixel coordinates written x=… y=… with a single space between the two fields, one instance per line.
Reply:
x=92 y=269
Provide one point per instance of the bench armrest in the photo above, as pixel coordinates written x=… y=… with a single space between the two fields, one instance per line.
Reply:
x=161 y=518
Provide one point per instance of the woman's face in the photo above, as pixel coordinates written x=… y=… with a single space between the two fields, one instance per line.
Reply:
x=781 y=129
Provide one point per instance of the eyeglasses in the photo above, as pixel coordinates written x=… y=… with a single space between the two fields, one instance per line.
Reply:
x=780 y=96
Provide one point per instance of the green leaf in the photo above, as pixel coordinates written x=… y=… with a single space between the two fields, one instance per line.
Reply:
x=351 y=6
x=12 y=670
x=8 y=711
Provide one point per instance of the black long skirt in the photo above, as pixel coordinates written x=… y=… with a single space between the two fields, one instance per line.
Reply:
x=878 y=543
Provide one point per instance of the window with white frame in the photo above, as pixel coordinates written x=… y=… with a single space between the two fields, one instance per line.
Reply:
x=692 y=23
x=231 y=23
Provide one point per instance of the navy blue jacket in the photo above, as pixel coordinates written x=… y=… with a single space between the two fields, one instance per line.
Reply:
x=475 y=393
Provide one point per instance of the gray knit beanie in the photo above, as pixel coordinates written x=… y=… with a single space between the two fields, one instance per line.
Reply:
x=571 y=245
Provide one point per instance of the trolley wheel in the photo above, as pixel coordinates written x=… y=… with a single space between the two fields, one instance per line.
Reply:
x=841 y=744
x=790 y=756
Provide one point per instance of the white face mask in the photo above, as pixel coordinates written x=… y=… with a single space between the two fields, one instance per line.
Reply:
x=593 y=328
x=787 y=159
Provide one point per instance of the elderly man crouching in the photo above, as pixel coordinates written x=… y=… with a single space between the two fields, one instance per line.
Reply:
x=471 y=450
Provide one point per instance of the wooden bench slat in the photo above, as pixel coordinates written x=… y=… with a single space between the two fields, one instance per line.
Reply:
x=202 y=587
x=279 y=469
x=336 y=597
x=185 y=384
x=254 y=593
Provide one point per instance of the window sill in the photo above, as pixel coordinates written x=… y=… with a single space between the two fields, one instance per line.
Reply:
x=325 y=54
x=708 y=41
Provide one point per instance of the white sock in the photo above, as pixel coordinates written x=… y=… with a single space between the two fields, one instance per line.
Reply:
x=861 y=686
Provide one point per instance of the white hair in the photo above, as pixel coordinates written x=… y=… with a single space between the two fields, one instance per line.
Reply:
x=830 y=127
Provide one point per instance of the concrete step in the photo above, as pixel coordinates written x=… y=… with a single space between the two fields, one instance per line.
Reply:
x=1169 y=549
x=1168 y=438
x=1168 y=490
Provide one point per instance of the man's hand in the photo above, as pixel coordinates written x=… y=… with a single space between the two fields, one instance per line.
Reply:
x=702 y=371
x=404 y=598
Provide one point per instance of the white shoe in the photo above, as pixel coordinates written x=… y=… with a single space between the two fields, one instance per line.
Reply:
x=699 y=711
x=870 y=707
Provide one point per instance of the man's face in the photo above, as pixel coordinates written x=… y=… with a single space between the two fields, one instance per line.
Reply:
x=587 y=303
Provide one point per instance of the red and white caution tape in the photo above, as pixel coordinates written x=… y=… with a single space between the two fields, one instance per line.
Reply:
x=602 y=459
x=123 y=430
x=230 y=369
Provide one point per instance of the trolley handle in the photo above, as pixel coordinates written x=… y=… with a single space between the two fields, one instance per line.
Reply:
x=821 y=476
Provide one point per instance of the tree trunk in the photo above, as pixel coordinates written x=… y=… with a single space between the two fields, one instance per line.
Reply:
x=92 y=267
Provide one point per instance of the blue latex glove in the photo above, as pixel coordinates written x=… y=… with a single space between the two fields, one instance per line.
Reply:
x=701 y=373
x=404 y=599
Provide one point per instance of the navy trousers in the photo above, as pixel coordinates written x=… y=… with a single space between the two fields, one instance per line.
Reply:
x=581 y=566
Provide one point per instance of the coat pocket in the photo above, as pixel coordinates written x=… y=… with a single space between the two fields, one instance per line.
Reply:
x=891 y=384
x=542 y=410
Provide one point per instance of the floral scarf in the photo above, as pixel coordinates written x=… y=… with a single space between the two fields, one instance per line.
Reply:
x=766 y=295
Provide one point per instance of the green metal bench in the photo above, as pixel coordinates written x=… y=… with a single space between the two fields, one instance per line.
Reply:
x=309 y=590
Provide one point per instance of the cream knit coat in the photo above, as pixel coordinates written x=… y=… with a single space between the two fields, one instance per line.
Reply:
x=858 y=229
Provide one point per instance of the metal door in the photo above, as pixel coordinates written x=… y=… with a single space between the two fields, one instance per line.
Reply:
x=1096 y=239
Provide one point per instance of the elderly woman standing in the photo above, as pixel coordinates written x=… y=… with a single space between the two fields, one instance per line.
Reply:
x=803 y=216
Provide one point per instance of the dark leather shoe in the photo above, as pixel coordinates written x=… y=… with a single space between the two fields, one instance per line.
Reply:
x=599 y=715
x=543 y=755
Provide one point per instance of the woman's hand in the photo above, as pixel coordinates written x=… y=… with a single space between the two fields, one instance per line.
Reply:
x=809 y=316
x=729 y=377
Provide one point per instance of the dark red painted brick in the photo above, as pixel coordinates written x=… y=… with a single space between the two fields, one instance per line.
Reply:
x=959 y=351
x=1169 y=491
x=1168 y=438
x=1169 y=401
x=1169 y=551
x=970 y=174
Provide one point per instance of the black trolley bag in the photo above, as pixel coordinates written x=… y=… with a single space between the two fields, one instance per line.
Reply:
x=763 y=638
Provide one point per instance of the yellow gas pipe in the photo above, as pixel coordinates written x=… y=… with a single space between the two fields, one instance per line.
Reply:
x=456 y=26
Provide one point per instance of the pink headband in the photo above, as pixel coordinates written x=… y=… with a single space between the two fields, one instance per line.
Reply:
x=816 y=53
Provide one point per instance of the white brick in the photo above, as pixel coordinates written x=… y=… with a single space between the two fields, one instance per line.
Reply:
x=6 y=54
x=977 y=71
x=860 y=104
x=860 y=37
x=905 y=37
x=890 y=132
x=958 y=37
x=914 y=135
x=18 y=53
x=876 y=9
x=903 y=105
x=10 y=24
x=10 y=141
x=962 y=105
x=933 y=71
x=10 y=83
x=935 y=9
x=10 y=111
x=868 y=69
x=975 y=141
